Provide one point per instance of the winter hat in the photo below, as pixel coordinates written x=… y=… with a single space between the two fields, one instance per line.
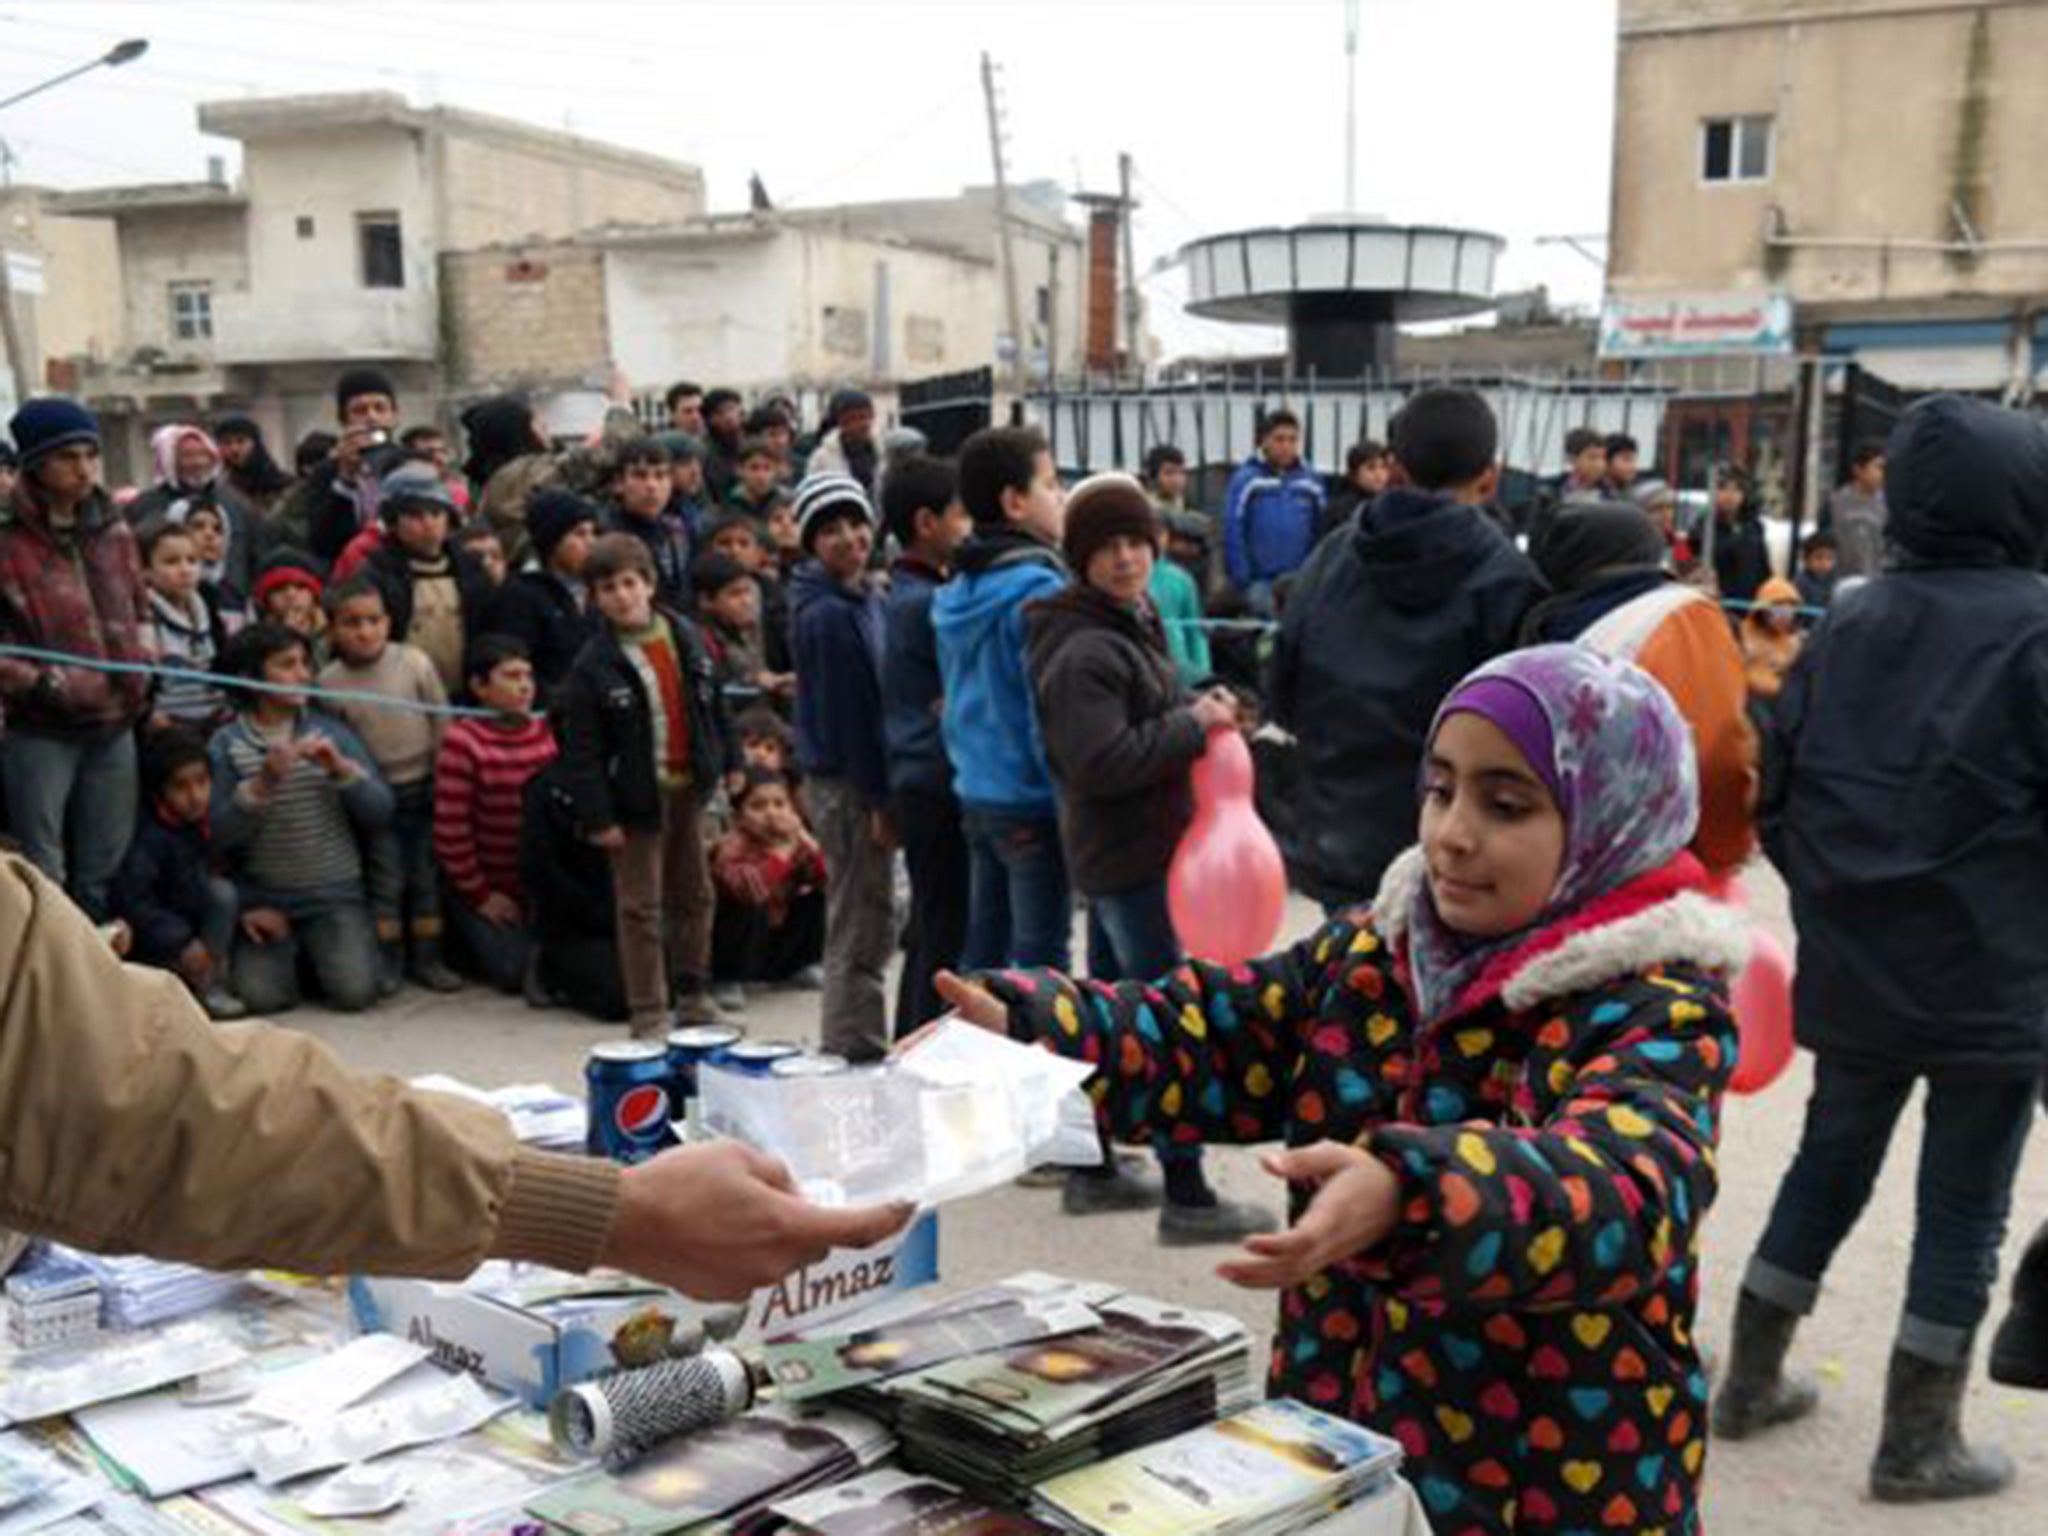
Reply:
x=552 y=515
x=827 y=494
x=846 y=400
x=285 y=568
x=680 y=446
x=1104 y=507
x=413 y=484
x=43 y=426
x=9 y=459
x=356 y=382
x=1589 y=541
x=713 y=571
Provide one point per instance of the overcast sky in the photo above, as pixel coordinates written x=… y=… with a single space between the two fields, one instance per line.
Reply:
x=1493 y=114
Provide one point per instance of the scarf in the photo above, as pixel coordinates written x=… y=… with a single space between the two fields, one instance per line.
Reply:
x=1617 y=757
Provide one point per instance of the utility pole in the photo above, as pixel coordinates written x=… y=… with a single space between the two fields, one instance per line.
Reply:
x=1351 y=106
x=1134 y=361
x=1006 y=239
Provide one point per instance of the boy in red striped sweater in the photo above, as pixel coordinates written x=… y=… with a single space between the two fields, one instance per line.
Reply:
x=480 y=780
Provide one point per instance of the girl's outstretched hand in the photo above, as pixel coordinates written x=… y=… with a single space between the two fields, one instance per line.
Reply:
x=1357 y=1202
x=977 y=1005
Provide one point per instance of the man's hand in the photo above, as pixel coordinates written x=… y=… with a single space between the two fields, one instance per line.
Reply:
x=611 y=839
x=277 y=763
x=265 y=925
x=500 y=909
x=882 y=831
x=1357 y=1202
x=718 y=1222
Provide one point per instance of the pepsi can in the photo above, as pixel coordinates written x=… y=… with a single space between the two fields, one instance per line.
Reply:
x=756 y=1058
x=823 y=1064
x=629 y=1100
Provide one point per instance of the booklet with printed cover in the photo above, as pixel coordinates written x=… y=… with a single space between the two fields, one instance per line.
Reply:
x=1038 y=1390
x=892 y=1503
x=719 y=1475
x=1273 y=1467
x=977 y=1323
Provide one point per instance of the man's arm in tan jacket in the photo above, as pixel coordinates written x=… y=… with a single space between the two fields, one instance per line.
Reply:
x=130 y=1122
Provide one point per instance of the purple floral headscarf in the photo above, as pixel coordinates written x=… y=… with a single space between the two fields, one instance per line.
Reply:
x=1621 y=767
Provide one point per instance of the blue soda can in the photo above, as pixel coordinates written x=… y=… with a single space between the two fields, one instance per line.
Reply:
x=690 y=1048
x=756 y=1058
x=629 y=1103
x=821 y=1064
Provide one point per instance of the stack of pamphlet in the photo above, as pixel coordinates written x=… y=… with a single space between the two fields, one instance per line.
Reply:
x=1002 y=1421
x=717 y=1479
x=51 y=1299
x=1279 y=1467
x=139 y=1292
x=541 y=1116
x=893 y=1503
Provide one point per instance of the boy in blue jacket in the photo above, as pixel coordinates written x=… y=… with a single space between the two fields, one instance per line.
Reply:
x=1272 y=512
x=837 y=638
x=1019 y=909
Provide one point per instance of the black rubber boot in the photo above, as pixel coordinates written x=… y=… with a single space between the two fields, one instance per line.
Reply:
x=1757 y=1393
x=2019 y=1350
x=1922 y=1456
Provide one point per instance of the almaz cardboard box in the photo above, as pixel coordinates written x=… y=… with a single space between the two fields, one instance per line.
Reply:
x=533 y=1331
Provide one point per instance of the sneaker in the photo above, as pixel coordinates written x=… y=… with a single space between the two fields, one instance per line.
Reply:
x=728 y=997
x=1092 y=1193
x=223 y=1005
x=1223 y=1221
x=695 y=1008
x=810 y=979
x=435 y=976
x=390 y=979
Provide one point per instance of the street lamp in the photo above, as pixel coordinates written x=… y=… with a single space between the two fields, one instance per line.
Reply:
x=121 y=53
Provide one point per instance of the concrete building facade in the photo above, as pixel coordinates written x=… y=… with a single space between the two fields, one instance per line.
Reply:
x=1872 y=159
x=328 y=253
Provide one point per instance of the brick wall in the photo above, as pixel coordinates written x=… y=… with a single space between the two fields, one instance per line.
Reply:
x=524 y=315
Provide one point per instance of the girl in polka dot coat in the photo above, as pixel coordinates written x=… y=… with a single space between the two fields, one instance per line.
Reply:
x=1500 y=1086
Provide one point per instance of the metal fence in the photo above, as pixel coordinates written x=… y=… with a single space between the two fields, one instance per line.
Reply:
x=1098 y=426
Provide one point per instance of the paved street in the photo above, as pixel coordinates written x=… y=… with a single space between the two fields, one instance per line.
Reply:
x=1806 y=1479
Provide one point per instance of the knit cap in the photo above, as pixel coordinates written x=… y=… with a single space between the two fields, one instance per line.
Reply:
x=552 y=515
x=1104 y=507
x=44 y=425
x=356 y=382
x=285 y=568
x=413 y=484
x=828 y=494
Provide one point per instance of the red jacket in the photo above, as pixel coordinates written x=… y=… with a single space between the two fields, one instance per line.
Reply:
x=79 y=591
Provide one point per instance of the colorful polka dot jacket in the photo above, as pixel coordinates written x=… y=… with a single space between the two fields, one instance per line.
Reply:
x=1526 y=1331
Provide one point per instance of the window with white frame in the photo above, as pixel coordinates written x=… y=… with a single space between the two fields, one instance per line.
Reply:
x=1735 y=149
x=192 y=311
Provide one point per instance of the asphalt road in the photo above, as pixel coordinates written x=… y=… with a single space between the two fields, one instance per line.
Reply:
x=1806 y=1478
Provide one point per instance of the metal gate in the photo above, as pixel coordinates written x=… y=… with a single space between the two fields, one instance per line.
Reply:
x=949 y=408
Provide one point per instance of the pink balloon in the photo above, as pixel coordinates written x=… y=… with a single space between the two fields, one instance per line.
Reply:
x=1227 y=889
x=1762 y=996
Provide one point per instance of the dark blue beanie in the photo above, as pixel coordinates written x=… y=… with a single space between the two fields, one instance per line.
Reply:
x=43 y=426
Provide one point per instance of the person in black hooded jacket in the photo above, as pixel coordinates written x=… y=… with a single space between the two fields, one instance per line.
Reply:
x=1906 y=803
x=1386 y=616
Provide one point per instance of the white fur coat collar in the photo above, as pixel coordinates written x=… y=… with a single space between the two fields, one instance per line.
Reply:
x=1687 y=928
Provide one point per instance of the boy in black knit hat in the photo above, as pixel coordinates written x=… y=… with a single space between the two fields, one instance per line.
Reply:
x=546 y=607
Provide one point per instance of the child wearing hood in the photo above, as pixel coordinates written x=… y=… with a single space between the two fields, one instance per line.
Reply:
x=1907 y=806
x=1500 y=1088
x=1771 y=639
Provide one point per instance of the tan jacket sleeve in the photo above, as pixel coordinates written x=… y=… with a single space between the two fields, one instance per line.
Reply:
x=131 y=1123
